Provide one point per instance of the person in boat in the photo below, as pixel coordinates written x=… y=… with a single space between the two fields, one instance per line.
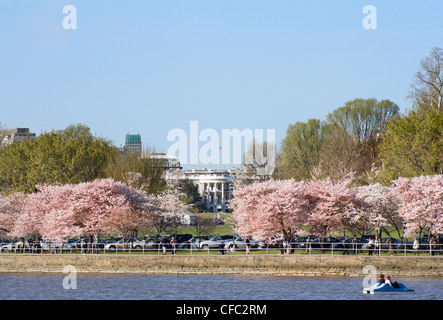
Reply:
x=381 y=278
x=393 y=284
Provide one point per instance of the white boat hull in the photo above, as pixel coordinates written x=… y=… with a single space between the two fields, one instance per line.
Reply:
x=384 y=287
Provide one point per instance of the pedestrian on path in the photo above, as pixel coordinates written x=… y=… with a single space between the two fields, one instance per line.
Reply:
x=173 y=244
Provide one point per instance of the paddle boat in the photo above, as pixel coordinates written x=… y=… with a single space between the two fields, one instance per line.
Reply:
x=384 y=287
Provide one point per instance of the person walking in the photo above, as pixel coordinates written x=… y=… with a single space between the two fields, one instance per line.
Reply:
x=377 y=245
x=416 y=246
x=164 y=244
x=83 y=246
x=370 y=246
x=221 y=248
x=173 y=245
x=354 y=245
x=248 y=245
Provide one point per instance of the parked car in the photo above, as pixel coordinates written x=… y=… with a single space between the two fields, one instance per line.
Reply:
x=127 y=243
x=240 y=244
x=193 y=243
x=180 y=238
x=300 y=242
x=269 y=243
x=395 y=243
x=214 y=242
x=7 y=245
x=349 y=243
x=319 y=243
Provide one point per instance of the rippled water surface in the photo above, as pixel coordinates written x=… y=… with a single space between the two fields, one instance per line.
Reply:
x=169 y=287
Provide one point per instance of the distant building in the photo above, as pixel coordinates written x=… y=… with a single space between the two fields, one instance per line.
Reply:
x=133 y=143
x=214 y=186
x=16 y=135
x=166 y=161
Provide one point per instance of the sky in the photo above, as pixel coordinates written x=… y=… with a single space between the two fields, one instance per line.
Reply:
x=152 y=66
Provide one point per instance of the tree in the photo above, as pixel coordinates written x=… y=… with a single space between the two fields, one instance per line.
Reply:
x=102 y=206
x=259 y=161
x=334 y=203
x=144 y=173
x=353 y=136
x=427 y=90
x=379 y=209
x=271 y=208
x=301 y=150
x=189 y=190
x=421 y=203
x=72 y=155
x=345 y=145
x=413 y=146
x=169 y=210
x=204 y=226
x=10 y=209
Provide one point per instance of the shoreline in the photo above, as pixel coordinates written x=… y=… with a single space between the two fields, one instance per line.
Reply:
x=265 y=265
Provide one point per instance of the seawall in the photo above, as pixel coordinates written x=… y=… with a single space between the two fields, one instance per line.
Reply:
x=286 y=265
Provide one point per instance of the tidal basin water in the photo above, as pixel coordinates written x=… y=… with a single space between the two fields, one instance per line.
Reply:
x=177 y=287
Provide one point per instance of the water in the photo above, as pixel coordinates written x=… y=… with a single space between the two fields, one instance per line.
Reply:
x=188 y=287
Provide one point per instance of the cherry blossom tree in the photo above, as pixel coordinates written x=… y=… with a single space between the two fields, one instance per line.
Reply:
x=271 y=208
x=11 y=207
x=102 y=206
x=334 y=205
x=168 y=209
x=97 y=202
x=379 y=209
x=421 y=203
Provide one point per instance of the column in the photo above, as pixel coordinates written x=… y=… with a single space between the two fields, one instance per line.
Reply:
x=215 y=194
x=208 y=196
x=202 y=190
x=229 y=191
x=223 y=193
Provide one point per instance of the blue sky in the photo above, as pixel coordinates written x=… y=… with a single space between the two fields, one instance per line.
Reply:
x=150 y=66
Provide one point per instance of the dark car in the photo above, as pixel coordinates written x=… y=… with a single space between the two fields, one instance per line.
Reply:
x=319 y=243
x=350 y=243
x=424 y=244
x=180 y=238
x=193 y=243
x=300 y=242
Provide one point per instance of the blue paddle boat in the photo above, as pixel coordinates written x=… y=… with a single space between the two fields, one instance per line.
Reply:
x=384 y=287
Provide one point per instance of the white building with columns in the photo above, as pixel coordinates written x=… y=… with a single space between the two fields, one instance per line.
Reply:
x=214 y=186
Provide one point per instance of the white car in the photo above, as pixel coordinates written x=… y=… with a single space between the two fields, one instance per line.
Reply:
x=132 y=243
x=214 y=242
x=240 y=244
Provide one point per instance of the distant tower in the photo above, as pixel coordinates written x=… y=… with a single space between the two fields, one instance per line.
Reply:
x=133 y=143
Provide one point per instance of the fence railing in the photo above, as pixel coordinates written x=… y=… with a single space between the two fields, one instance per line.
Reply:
x=303 y=248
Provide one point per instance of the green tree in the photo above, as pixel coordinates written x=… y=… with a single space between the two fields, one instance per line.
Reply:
x=301 y=149
x=353 y=135
x=413 y=146
x=72 y=155
x=143 y=173
x=190 y=192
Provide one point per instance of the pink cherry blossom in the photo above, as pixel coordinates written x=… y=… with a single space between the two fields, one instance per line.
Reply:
x=421 y=203
x=99 y=207
x=271 y=208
